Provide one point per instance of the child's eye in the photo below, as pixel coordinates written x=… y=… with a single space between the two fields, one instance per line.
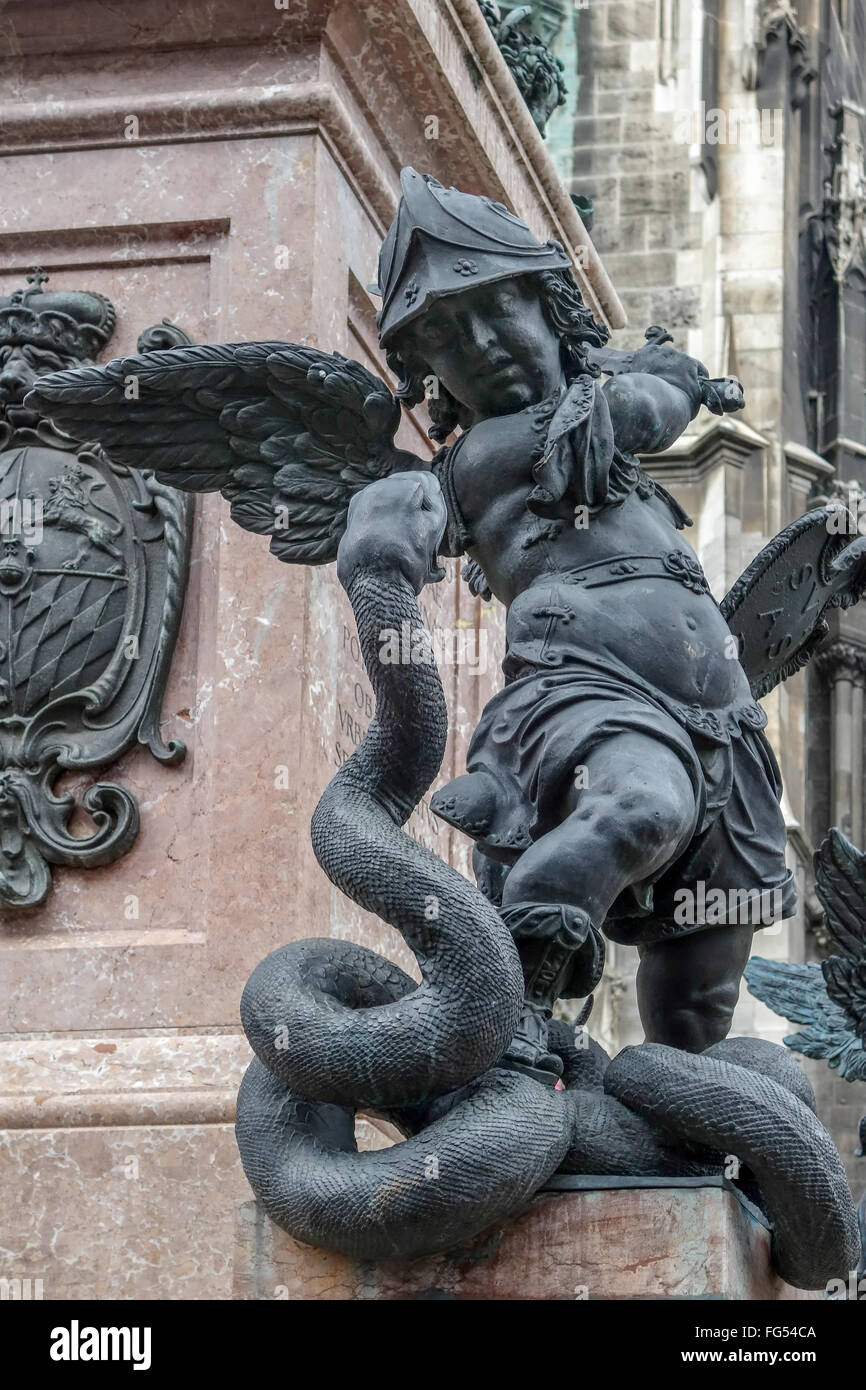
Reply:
x=435 y=333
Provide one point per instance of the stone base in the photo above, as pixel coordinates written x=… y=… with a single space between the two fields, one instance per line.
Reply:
x=581 y=1238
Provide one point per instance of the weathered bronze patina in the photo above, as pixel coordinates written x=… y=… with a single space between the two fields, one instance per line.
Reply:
x=93 y=559
x=620 y=775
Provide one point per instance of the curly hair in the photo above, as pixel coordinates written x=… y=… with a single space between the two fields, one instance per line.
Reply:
x=567 y=315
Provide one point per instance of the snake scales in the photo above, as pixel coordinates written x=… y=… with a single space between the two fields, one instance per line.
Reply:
x=337 y=1028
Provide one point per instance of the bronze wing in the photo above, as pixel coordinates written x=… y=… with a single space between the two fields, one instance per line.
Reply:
x=840 y=882
x=828 y=999
x=286 y=433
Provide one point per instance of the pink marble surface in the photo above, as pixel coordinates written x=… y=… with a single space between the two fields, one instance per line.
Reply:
x=634 y=1243
x=246 y=200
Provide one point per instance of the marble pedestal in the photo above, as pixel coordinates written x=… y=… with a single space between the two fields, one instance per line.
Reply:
x=234 y=168
x=581 y=1238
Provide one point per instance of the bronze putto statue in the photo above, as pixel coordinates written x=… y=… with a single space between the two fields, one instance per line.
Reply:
x=621 y=774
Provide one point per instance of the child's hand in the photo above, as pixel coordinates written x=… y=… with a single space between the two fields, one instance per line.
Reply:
x=720 y=395
x=676 y=368
x=723 y=395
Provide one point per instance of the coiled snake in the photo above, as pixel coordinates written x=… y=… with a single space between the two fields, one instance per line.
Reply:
x=336 y=1028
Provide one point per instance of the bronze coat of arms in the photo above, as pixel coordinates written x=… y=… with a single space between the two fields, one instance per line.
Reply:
x=93 y=565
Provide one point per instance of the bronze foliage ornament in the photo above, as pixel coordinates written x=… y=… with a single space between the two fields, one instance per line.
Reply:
x=93 y=567
x=540 y=76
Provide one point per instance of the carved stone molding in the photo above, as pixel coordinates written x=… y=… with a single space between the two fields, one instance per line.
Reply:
x=843 y=666
x=844 y=208
x=775 y=22
x=74 y=1082
x=810 y=477
x=93 y=565
x=831 y=489
x=842 y=661
x=497 y=137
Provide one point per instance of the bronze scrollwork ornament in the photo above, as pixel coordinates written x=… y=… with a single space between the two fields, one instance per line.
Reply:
x=93 y=566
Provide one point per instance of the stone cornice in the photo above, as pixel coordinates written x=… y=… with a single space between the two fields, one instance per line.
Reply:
x=803 y=463
x=849 y=446
x=439 y=55
x=98 y=123
x=37 y=27
x=842 y=661
x=726 y=441
x=120 y=1079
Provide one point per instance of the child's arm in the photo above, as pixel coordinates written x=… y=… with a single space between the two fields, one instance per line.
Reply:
x=647 y=413
x=658 y=393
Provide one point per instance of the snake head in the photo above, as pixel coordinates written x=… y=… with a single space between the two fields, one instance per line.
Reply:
x=395 y=526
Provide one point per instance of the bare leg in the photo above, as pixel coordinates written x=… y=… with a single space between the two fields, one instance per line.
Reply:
x=687 y=988
x=633 y=816
x=628 y=822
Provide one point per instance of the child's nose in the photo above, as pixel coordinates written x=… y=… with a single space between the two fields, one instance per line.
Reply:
x=478 y=331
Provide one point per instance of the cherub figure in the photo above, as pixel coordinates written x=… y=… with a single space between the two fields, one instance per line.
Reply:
x=624 y=762
x=625 y=758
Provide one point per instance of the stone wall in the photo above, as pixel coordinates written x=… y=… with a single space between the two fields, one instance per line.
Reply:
x=701 y=133
x=233 y=168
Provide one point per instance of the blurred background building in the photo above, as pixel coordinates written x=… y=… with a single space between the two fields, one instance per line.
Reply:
x=722 y=145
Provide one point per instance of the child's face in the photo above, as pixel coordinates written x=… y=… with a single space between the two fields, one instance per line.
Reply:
x=490 y=346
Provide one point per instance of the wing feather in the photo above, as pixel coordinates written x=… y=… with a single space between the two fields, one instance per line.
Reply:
x=287 y=433
x=799 y=993
x=840 y=882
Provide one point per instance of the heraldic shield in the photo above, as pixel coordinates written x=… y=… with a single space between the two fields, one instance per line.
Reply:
x=93 y=567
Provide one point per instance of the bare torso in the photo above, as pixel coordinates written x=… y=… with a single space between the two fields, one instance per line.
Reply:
x=656 y=627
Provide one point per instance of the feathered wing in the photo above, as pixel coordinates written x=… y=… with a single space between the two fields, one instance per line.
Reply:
x=840 y=882
x=287 y=434
x=830 y=999
x=799 y=993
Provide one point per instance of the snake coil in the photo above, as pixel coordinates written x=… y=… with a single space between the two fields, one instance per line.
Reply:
x=337 y=1028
